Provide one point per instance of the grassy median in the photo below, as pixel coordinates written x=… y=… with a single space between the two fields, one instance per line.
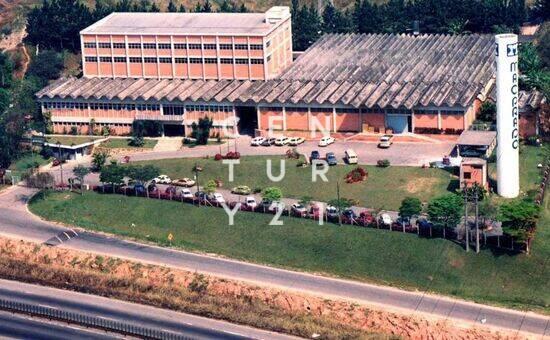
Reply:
x=383 y=189
x=372 y=255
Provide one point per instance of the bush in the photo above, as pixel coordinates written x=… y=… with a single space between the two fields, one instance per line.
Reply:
x=356 y=175
x=74 y=130
x=453 y=131
x=431 y=131
x=218 y=157
x=383 y=163
x=232 y=155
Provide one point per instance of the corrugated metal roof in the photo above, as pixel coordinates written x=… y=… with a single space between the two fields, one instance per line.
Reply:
x=351 y=69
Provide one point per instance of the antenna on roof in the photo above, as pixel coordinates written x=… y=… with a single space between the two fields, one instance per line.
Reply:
x=416 y=27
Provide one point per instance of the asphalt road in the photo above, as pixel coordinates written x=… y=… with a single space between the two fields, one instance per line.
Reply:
x=13 y=326
x=187 y=325
x=16 y=221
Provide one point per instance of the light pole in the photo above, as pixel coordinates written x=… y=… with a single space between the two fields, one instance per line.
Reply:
x=476 y=200
x=339 y=203
x=60 y=161
x=466 y=226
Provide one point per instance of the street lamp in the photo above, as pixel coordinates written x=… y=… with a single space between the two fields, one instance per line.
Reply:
x=60 y=160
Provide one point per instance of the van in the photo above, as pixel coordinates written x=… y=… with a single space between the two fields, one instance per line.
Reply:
x=350 y=156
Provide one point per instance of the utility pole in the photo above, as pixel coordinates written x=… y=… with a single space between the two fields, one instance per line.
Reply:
x=476 y=199
x=197 y=181
x=466 y=226
x=60 y=161
x=339 y=203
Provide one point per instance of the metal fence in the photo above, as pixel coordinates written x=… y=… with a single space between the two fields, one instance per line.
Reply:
x=88 y=320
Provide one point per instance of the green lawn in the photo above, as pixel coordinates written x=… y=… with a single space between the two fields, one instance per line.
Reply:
x=124 y=143
x=384 y=188
x=27 y=161
x=72 y=140
x=391 y=258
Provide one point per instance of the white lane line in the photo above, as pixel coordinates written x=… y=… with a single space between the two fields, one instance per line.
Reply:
x=47 y=306
x=74 y=232
x=68 y=237
x=58 y=239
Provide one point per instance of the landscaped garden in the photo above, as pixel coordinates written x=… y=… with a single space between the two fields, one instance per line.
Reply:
x=384 y=188
x=125 y=143
x=391 y=258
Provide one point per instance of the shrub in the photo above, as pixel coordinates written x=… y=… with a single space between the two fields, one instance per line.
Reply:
x=453 y=131
x=74 y=130
x=431 y=131
x=232 y=155
x=218 y=157
x=383 y=163
x=199 y=284
x=356 y=175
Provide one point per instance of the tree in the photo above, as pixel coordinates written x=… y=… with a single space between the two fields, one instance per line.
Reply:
x=201 y=131
x=80 y=173
x=272 y=194
x=4 y=100
x=182 y=9
x=334 y=20
x=172 y=7
x=519 y=220
x=306 y=201
x=142 y=174
x=445 y=211
x=410 y=207
x=210 y=187
x=113 y=174
x=137 y=134
x=99 y=158
x=487 y=112
x=41 y=180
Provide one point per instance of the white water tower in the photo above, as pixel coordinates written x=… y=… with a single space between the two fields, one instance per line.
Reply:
x=507 y=83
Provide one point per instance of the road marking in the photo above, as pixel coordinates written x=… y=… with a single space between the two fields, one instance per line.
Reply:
x=68 y=237
x=47 y=306
x=58 y=239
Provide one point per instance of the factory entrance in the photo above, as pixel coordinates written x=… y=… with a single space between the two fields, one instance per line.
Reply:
x=173 y=130
x=248 y=119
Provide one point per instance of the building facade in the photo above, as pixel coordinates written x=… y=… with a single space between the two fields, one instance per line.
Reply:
x=254 y=46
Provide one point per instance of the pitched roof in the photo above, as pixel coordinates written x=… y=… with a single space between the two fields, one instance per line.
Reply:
x=182 y=23
x=360 y=70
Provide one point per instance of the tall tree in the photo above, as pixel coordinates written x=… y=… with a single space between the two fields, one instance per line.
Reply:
x=182 y=9
x=445 y=211
x=172 y=7
x=519 y=219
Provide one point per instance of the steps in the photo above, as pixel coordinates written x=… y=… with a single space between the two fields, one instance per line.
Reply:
x=168 y=144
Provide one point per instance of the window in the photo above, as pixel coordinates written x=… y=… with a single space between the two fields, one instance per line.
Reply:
x=135 y=59
x=180 y=46
x=195 y=60
x=181 y=60
x=297 y=109
x=150 y=60
x=241 y=61
x=134 y=46
x=226 y=61
x=256 y=47
x=268 y=58
x=256 y=61
x=164 y=46
x=267 y=44
x=89 y=45
x=120 y=59
x=346 y=110
x=149 y=46
x=226 y=47
x=194 y=46
x=241 y=47
x=209 y=46
x=91 y=59
x=104 y=45
x=210 y=60
x=105 y=59
x=165 y=60
x=467 y=175
x=321 y=109
x=119 y=45
x=272 y=108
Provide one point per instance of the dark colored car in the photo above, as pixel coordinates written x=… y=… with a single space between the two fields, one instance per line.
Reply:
x=268 y=142
x=139 y=189
x=314 y=155
x=349 y=216
x=331 y=158
x=201 y=195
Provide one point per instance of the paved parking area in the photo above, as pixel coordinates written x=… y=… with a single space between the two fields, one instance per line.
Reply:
x=400 y=153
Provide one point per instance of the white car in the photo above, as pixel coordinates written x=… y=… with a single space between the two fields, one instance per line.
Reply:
x=298 y=208
x=257 y=141
x=281 y=141
x=251 y=202
x=217 y=198
x=325 y=141
x=385 y=219
x=162 y=179
x=276 y=206
x=385 y=141
x=294 y=141
x=186 y=193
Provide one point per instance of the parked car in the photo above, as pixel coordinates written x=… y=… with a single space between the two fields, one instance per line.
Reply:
x=186 y=193
x=162 y=179
x=201 y=195
x=138 y=189
x=250 y=202
x=331 y=158
x=314 y=155
x=385 y=219
x=349 y=216
x=350 y=156
x=298 y=209
x=257 y=141
x=366 y=218
x=385 y=141
x=281 y=141
x=269 y=141
x=241 y=190
x=326 y=141
x=171 y=190
x=57 y=161
x=276 y=206
x=216 y=198
x=331 y=212
x=183 y=182
x=294 y=141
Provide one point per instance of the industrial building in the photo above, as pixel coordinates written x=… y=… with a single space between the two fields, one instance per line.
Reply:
x=343 y=83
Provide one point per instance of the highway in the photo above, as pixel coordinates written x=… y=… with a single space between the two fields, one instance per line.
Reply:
x=15 y=221
x=189 y=326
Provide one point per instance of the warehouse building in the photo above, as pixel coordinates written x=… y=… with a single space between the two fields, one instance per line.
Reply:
x=343 y=83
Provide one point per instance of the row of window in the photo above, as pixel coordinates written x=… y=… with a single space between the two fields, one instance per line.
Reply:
x=167 y=109
x=176 y=46
x=176 y=60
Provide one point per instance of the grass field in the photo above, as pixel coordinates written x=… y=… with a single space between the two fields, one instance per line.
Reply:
x=124 y=143
x=391 y=258
x=384 y=188
x=26 y=162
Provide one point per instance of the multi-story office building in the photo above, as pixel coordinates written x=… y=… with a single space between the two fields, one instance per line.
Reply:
x=248 y=46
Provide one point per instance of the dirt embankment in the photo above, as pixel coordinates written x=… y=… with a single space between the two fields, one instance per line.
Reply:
x=238 y=302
